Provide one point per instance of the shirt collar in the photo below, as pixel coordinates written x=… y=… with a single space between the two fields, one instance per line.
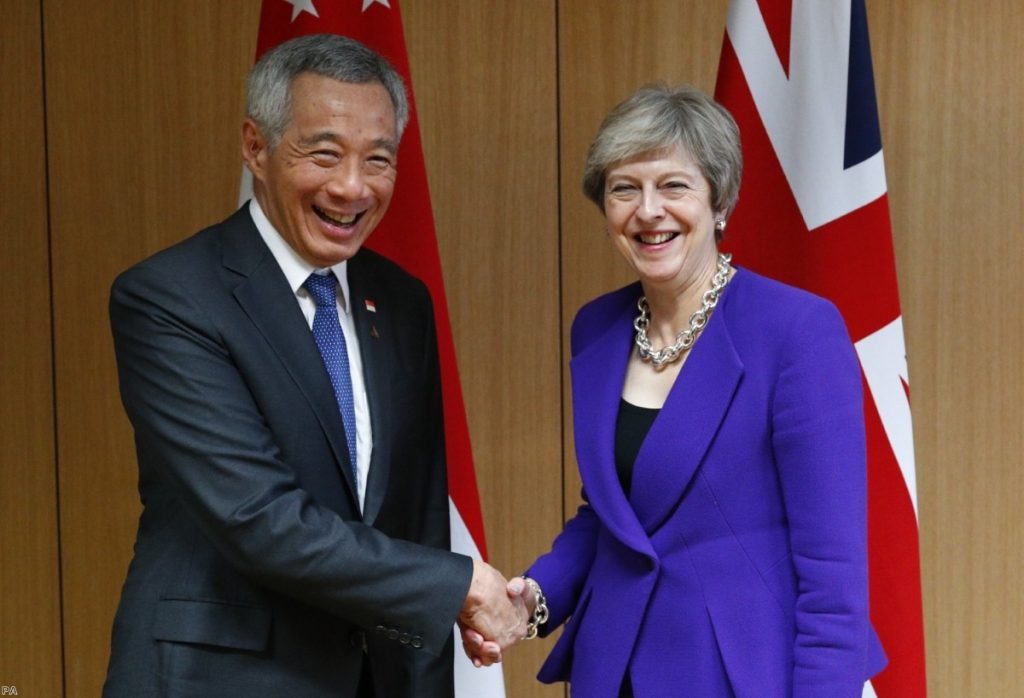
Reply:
x=295 y=268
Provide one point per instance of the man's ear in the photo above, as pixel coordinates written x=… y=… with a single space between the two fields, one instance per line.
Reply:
x=255 y=149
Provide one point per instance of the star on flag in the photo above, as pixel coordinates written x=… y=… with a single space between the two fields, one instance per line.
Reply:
x=367 y=3
x=300 y=6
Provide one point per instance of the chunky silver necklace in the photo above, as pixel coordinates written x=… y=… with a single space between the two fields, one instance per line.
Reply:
x=685 y=339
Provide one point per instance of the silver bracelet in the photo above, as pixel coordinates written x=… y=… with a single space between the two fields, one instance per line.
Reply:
x=540 y=611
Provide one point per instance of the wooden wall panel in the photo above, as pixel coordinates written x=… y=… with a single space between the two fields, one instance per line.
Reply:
x=144 y=106
x=607 y=50
x=30 y=649
x=950 y=100
x=486 y=98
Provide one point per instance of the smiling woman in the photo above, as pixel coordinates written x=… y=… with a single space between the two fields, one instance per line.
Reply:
x=659 y=216
x=724 y=529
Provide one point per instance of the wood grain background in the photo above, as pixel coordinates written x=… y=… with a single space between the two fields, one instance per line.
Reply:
x=119 y=135
x=30 y=650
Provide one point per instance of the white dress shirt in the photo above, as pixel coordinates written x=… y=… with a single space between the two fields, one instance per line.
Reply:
x=297 y=270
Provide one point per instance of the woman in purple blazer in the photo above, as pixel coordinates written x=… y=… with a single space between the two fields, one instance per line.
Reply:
x=719 y=429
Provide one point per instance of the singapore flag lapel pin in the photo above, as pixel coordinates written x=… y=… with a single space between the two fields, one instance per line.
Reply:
x=371 y=307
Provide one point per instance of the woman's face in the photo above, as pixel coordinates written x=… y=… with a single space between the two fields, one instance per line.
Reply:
x=658 y=212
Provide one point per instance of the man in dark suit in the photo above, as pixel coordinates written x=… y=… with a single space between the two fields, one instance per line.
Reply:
x=284 y=389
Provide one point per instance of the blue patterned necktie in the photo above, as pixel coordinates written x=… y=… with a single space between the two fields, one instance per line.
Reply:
x=331 y=342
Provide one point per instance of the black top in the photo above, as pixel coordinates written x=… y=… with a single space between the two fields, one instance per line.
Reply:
x=631 y=429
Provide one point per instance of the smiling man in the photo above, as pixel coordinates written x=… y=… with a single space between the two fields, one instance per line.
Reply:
x=284 y=389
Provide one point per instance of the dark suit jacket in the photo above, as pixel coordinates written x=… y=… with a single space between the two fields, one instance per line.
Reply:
x=254 y=572
x=738 y=564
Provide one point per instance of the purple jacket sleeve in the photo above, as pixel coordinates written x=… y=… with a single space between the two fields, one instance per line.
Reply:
x=562 y=571
x=819 y=444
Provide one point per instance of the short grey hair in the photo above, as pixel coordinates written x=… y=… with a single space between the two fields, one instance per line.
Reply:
x=658 y=117
x=337 y=57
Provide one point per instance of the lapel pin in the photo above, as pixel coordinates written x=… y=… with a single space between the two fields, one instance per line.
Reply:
x=371 y=306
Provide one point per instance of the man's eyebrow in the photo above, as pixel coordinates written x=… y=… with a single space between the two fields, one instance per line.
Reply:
x=387 y=144
x=330 y=136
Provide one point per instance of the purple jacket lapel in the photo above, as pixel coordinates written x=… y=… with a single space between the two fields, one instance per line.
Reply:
x=680 y=436
x=597 y=375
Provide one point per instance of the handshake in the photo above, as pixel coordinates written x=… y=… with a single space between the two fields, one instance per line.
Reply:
x=495 y=614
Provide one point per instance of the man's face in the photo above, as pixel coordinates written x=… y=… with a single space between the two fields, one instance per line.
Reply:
x=326 y=185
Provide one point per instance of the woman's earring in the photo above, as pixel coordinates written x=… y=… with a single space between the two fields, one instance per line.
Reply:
x=720 y=226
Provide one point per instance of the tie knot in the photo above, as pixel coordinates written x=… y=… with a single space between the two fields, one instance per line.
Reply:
x=323 y=288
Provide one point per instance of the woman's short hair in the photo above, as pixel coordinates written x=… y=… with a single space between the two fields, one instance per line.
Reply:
x=658 y=117
x=330 y=55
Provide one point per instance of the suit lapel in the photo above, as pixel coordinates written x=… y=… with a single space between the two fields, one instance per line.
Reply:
x=265 y=296
x=597 y=377
x=682 y=432
x=374 y=330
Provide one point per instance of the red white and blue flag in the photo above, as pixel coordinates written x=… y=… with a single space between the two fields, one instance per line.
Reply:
x=407 y=236
x=814 y=212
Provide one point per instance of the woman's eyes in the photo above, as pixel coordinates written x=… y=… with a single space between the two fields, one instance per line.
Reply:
x=675 y=186
x=670 y=188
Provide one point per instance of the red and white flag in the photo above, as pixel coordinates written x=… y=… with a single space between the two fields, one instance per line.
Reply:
x=407 y=236
x=814 y=212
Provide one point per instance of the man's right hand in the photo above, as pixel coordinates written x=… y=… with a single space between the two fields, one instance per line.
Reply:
x=496 y=616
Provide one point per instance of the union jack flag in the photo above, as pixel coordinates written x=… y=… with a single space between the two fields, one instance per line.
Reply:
x=814 y=212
